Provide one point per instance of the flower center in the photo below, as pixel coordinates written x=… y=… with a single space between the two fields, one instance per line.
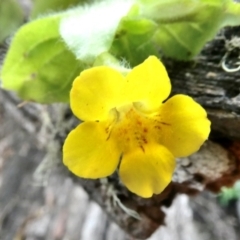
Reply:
x=132 y=128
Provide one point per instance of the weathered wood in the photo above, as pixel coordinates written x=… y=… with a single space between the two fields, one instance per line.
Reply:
x=213 y=87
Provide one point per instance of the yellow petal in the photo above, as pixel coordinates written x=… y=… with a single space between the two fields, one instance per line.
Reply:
x=95 y=92
x=147 y=170
x=148 y=84
x=88 y=151
x=183 y=125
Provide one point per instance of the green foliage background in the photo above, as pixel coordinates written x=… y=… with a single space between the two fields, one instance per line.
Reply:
x=41 y=63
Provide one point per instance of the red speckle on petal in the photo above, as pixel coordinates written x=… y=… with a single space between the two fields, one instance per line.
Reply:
x=139 y=123
x=145 y=140
x=142 y=148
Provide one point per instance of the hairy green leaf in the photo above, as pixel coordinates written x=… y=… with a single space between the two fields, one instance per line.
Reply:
x=38 y=65
x=133 y=39
x=89 y=30
x=183 y=37
x=175 y=28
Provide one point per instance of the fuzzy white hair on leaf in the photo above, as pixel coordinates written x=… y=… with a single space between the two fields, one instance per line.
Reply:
x=89 y=30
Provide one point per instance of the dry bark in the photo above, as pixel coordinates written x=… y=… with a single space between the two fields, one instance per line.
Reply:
x=213 y=87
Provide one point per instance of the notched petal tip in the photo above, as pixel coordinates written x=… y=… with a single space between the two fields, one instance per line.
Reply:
x=95 y=92
x=88 y=153
x=188 y=127
x=147 y=170
x=148 y=84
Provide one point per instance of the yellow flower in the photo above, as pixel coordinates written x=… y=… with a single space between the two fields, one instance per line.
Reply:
x=128 y=127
